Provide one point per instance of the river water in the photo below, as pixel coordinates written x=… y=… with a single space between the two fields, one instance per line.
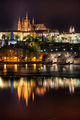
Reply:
x=39 y=92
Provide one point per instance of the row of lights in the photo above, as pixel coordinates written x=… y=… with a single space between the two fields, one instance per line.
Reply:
x=55 y=50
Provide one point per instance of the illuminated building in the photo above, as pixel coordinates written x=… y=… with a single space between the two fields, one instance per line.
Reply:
x=72 y=30
x=69 y=38
x=25 y=25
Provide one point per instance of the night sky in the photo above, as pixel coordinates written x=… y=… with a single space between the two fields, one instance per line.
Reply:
x=55 y=14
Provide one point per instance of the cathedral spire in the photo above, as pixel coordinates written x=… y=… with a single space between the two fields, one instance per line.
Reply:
x=19 y=24
x=19 y=20
x=33 y=21
x=72 y=29
x=26 y=15
x=22 y=24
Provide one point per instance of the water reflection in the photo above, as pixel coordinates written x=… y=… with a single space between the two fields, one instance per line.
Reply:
x=34 y=67
x=5 y=69
x=15 y=67
x=24 y=69
x=28 y=87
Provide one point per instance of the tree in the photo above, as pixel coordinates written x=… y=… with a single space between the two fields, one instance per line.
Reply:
x=17 y=37
x=28 y=38
x=3 y=37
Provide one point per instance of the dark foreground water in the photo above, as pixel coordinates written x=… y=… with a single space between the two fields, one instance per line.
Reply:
x=31 y=93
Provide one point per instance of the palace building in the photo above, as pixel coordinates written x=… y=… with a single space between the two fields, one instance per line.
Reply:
x=25 y=25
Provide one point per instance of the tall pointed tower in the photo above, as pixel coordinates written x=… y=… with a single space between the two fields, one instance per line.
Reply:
x=26 y=16
x=72 y=29
x=29 y=26
x=33 y=21
x=19 y=24
x=22 y=24
x=26 y=23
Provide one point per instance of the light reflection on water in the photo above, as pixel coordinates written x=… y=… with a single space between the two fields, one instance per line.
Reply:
x=27 y=88
x=25 y=69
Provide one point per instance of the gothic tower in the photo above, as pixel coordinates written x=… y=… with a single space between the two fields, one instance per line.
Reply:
x=19 y=24
x=26 y=16
x=33 y=21
x=22 y=24
x=26 y=23
x=72 y=29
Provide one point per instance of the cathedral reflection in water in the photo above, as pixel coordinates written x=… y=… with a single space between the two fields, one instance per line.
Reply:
x=28 y=87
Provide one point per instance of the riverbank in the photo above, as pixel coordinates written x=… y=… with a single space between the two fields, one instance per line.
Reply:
x=39 y=62
x=45 y=74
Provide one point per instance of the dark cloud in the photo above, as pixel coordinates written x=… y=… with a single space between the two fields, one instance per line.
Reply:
x=54 y=13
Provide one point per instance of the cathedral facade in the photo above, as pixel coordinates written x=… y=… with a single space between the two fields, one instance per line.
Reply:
x=25 y=25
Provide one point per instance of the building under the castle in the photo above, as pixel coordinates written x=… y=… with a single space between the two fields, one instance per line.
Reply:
x=27 y=30
x=25 y=25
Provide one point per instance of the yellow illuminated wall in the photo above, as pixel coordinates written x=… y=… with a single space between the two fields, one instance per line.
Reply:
x=20 y=35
